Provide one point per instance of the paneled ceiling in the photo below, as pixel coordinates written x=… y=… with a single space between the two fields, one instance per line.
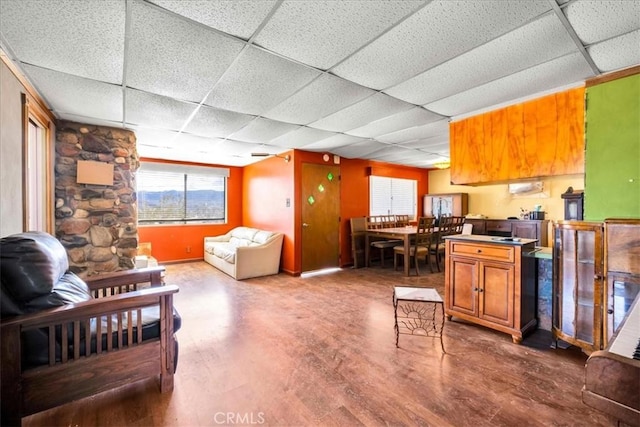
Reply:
x=212 y=81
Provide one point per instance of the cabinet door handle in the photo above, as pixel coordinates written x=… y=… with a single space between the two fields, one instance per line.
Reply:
x=481 y=290
x=597 y=277
x=479 y=251
x=610 y=311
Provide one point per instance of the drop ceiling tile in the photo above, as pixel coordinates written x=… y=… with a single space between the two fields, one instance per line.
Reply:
x=149 y=141
x=394 y=153
x=147 y=109
x=238 y=148
x=440 y=31
x=438 y=144
x=424 y=162
x=359 y=150
x=258 y=81
x=441 y=127
x=613 y=17
x=616 y=53
x=68 y=94
x=265 y=148
x=323 y=96
x=406 y=119
x=240 y=18
x=301 y=137
x=213 y=122
x=198 y=144
x=335 y=141
x=85 y=39
x=209 y=157
x=545 y=77
x=173 y=57
x=194 y=144
x=88 y=120
x=192 y=148
x=372 y=108
x=262 y=130
x=537 y=42
x=321 y=33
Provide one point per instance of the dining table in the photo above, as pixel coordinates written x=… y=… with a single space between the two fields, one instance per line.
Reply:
x=394 y=233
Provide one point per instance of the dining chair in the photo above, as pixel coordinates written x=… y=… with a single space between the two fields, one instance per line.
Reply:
x=358 y=233
x=457 y=222
x=437 y=247
x=381 y=221
x=402 y=220
x=420 y=246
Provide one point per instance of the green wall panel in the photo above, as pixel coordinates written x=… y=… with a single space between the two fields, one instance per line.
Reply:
x=612 y=172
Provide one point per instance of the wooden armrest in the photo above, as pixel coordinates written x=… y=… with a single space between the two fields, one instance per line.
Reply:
x=152 y=275
x=92 y=308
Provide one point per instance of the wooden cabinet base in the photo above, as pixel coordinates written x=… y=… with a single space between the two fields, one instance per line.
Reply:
x=491 y=284
x=517 y=335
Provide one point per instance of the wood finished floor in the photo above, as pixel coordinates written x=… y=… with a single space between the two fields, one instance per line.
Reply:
x=320 y=351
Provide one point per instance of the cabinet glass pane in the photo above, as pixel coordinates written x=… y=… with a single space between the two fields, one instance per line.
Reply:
x=577 y=276
x=568 y=283
x=586 y=246
x=623 y=294
x=585 y=278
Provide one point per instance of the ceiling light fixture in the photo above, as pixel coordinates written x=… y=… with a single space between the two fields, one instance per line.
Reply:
x=442 y=165
x=286 y=157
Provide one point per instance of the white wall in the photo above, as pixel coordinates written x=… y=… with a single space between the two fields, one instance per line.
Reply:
x=11 y=204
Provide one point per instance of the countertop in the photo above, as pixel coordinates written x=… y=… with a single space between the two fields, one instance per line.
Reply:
x=540 y=252
x=481 y=238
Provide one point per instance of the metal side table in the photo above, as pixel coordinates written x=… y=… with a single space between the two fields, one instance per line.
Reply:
x=418 y=311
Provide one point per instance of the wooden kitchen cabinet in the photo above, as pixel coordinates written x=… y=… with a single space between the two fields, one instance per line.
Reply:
x=490 y=283
x=578 y=279
x=541 y=137
x=479 y=225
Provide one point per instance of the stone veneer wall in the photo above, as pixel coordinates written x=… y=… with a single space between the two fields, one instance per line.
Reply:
x=97 y=224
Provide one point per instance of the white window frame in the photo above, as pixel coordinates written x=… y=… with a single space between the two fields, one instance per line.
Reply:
x=393 y=196
x=37 y=168
x=185 y=170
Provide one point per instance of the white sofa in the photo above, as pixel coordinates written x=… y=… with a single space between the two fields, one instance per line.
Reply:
x=245 y=252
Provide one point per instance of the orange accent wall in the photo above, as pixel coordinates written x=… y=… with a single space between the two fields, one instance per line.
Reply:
x=266 y=187
x=185 y=242
x=257 y=197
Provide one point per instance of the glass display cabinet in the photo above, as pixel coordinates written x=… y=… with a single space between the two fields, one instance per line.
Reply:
x=578 y=284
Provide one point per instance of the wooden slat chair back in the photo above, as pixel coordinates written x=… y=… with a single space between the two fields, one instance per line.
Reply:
x=457 y=223
x=437 y=247
x=402 y=220
x=358 y=233
x=425 y=234
x=388 y=221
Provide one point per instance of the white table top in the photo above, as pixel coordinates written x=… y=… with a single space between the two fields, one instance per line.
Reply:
x=416 y=294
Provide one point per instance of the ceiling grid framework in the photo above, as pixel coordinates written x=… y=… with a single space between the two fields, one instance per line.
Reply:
x=211 y=81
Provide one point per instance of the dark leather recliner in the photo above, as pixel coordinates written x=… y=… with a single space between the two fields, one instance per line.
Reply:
x=51 y=319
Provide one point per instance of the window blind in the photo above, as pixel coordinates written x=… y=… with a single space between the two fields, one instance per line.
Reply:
x=392 y=196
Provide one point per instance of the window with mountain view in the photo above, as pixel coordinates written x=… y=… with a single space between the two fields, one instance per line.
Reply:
x=180 y=194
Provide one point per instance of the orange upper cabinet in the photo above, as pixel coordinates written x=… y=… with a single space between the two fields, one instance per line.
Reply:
x=539 y=138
